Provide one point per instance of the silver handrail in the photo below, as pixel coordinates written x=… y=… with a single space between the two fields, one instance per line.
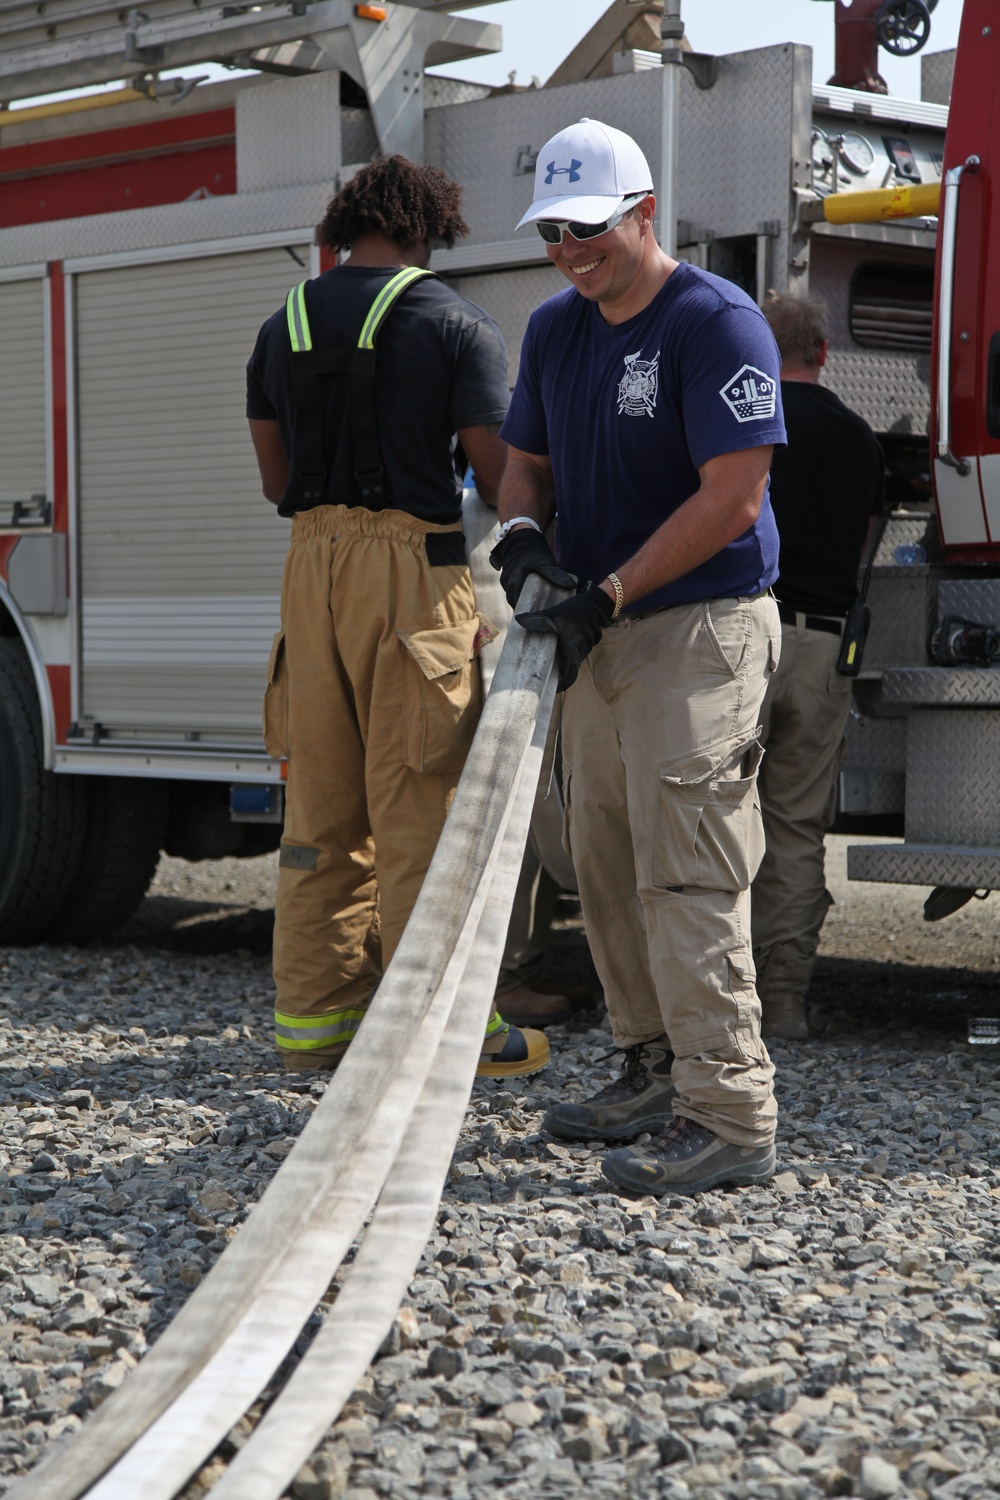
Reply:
x=946 y=295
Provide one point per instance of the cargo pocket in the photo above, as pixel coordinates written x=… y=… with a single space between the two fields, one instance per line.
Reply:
x=442 y=696
x=709 y=832
x=276 y=700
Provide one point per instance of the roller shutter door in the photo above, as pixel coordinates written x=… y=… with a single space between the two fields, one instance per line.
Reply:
x=22 y=394
x=180 y=554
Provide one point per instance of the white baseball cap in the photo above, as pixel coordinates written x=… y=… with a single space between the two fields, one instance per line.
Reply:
x=585 y=173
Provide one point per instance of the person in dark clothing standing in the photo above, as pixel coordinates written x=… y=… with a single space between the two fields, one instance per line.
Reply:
x=825 y=487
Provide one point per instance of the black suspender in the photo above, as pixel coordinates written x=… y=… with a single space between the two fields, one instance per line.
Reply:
x=308 y=364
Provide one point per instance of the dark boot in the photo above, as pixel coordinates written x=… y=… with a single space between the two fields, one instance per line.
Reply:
x=687 y=1158
x=640 y=1099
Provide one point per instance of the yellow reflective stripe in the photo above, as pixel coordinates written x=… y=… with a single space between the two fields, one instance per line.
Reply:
x=289 y=1045
x=303 y=1032
x=384 y=301
x=333 y=1018
x=298 y=319
x=496 y=1023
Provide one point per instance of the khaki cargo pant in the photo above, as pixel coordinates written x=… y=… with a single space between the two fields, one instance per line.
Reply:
x=660 y=757
x=804 y=717
x=373 y=694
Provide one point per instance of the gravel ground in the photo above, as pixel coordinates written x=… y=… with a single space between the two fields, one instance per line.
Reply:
x=834 y=1333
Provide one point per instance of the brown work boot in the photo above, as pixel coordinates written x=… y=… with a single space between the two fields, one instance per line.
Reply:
x=783 y=1015
x=523 y=1006
x=687 y=1158
x=640 y=1099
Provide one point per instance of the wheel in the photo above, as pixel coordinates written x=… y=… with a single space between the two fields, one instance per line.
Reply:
x=125 y=830
x=41 y=814
x=903 y=26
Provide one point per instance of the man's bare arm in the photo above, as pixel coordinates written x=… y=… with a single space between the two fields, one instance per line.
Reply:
x=272 y=460
x=726 y=504
x=488 y=455
x=527 y=488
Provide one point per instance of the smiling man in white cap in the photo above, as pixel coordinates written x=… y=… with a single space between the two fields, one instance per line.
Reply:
x=644 y=417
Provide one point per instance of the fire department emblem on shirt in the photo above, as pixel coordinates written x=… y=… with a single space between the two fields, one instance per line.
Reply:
x=750 y=394
x=638 y=386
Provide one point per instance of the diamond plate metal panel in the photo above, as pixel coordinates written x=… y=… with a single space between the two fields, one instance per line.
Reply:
x=511 y=297
x=901 y=602
x=874 y=793
x=972 y=598
x=888 y=387
x=737 y=140
x=926 y=864
x=904 y=531
x=953 y=777
x=945 y=687
x=288 y=132
x=358 y=141
x=480 y=144
x=875 y=744
x=937 y=69
x=148 y=229
x=737 y=145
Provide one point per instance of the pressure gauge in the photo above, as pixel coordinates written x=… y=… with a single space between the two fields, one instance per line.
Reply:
x=855 y=152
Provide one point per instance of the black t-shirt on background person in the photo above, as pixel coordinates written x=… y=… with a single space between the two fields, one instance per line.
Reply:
x=440 y=366
x=825 y=486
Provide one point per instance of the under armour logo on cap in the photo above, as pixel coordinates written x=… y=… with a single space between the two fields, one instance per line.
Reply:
x=552 y=171
x=585 y=172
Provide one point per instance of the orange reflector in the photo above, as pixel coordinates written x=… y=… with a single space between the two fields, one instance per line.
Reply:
x=284 y=770
x=370 y=12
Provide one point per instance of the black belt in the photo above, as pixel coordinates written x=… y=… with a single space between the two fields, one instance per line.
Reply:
x=812 y=622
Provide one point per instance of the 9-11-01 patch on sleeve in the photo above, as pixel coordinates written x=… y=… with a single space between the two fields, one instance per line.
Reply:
x=751 y=395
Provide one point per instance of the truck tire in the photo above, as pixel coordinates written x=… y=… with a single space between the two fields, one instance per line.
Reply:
x=125 y=830
x=41 y=814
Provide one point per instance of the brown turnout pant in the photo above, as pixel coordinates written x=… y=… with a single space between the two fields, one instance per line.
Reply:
x=374 y=695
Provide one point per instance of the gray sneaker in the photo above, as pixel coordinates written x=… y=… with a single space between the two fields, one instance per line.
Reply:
x=687 y=1158
x=639 y=1099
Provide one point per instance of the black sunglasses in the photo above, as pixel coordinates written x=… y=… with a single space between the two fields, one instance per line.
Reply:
x=551 y=230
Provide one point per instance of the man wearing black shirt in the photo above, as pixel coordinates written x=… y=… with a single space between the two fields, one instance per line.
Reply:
x=356 y=391
x=825 y=486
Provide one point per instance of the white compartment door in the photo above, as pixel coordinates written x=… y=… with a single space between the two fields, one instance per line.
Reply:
x=180 y=554
x=23 y=464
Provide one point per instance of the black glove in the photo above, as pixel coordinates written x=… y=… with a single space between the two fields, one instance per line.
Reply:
x=523 y=552
x=578 y=623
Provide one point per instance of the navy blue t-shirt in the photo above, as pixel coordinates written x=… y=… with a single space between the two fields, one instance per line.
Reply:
x=627 y=412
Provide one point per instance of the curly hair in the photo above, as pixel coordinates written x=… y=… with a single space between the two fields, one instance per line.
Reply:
x=392 y=196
